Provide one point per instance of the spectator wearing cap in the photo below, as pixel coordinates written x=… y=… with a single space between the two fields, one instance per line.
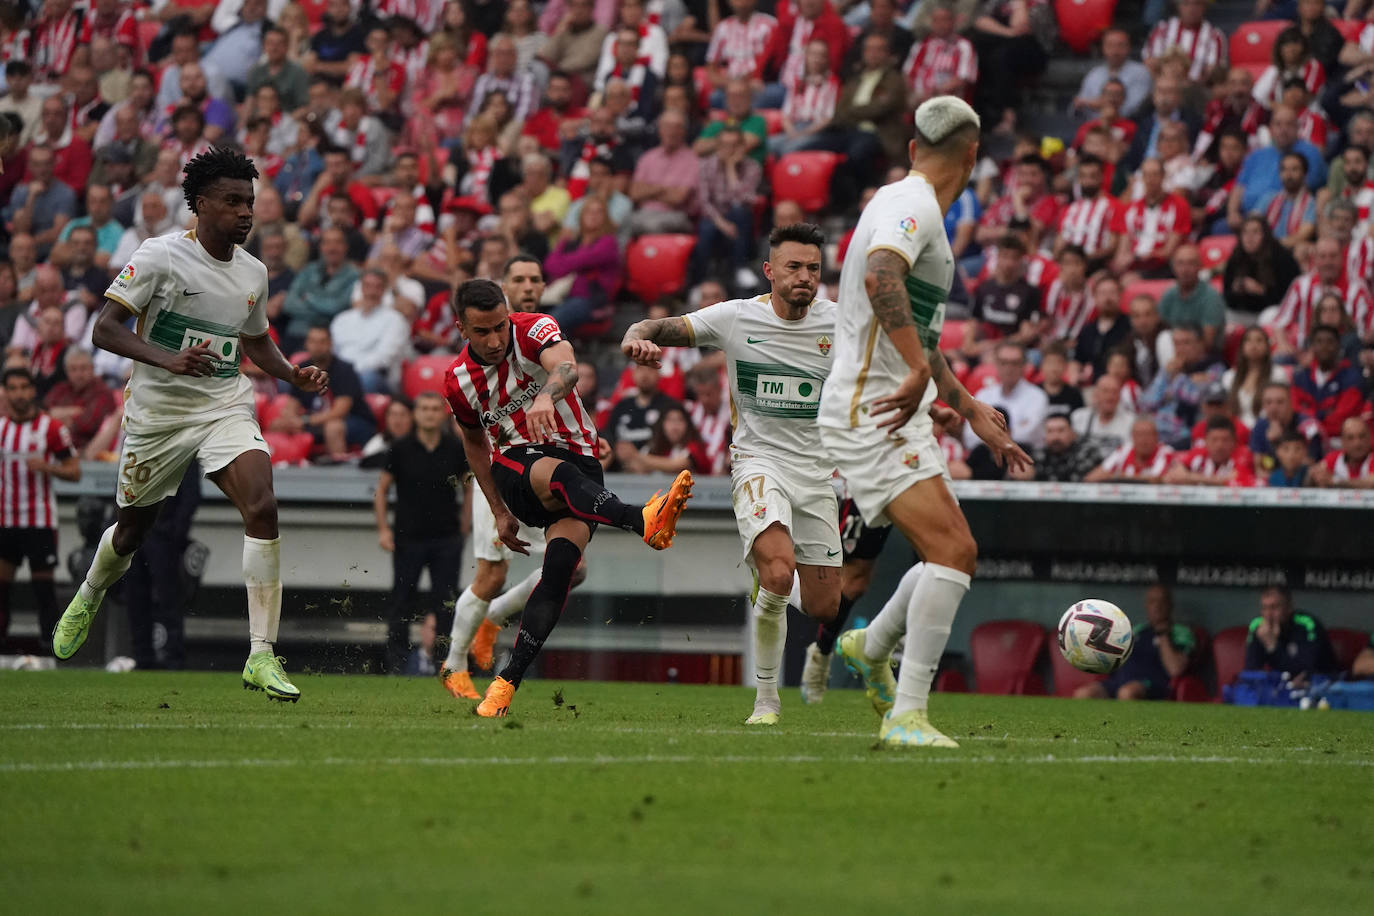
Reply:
x=1259 y=175
x=1216 y=404
x=1352 y=465
x=1218 y=462
x=1175 y=395
x=665 y=181
x=20 y=99
x=278 y=70
x=1278 y=418
x=1191 y=301
x=727 y=192
x=1065 y=457
x=1106 y=331
x=1116 y=65
x=574 y=44
x=1329 y=388
x=1105 y=420
x=1143 y=459
x=322 y=289
x=1282 y=639
x=1025 y=404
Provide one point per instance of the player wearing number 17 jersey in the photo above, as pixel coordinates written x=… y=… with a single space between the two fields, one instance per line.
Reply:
x=874 y=415
x=778 y=351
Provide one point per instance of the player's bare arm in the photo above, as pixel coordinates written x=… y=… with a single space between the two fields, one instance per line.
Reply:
x=885 y=283
x=111 y=334
x=68 y=468
x=477 y=449
x=644 y=338
x=265 y=354
x=986 y=421
x=561 y=364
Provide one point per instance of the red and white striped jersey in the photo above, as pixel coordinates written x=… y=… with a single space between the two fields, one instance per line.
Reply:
x=414 y=60
x=1088 y=223
x=122 y=29
x=1150 y=226
x=1068 y=310
x=1299 y=305
x=742 y=46
x=363 y=74
x=1268 y=90
x=1359 y=260
x=952 y=449
x=1205 y=46
x=714 y=430
x=937 y=60
x=425 y=13
x=1366 y=39
x=1343 y=469
x=27 y=499
x=494 y=397
x=1362 y=197
x=811 y=102
x=1240 y=465
x=54 y=42
x=1124 y=462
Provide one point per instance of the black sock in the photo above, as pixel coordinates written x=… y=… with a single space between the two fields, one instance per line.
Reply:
x=4 y=609
x=45 y=593
x=592 y=502
x=544 y=606
x=830 y=630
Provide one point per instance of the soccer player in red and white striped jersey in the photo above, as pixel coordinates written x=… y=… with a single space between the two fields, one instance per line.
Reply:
x=1299 y=304
x=944 y=63
x=1352 y=465
x=34 y=448
x=1088 y=222
x=1142 y=460
x=1204 y=43
x=1219 y=462
x=534 y=454
x=740 y=43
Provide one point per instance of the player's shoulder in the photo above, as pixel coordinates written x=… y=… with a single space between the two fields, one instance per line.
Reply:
x=824 y=307
x=248 y=260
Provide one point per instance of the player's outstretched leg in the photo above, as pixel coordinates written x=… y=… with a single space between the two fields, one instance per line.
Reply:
x=566 y=540
x=867 y=651
x=107 y=567
x=655 y=521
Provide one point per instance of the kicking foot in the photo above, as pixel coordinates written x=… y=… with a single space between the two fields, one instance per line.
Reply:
x=484 y=644
x=497 y=701
x=458 y=684
x=664 y=509
x=879 y=684
x=815 y=675
x=912 y=729
x=263 y=671
x=71 y=631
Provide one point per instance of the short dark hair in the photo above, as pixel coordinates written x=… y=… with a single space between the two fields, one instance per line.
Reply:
x=802 y=233
x=16 y=372
x=523 y=257
x=1036 y=160
x=1089 y=159
x=482 y=295
x=1012 y=243
x=1075 y=250
x=331 y=149
x=210 y=166
x=1055 y=348
x=1293 y=435
x=1294 y=82
x=18 y=68
x=1282 y=591
x=1221 y=423
x=1302 y=160
x=1325 y=329
x=1190 y=327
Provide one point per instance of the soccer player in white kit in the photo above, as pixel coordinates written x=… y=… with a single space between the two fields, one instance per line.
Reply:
x=200 y=300
x=874 y=414
x=779 y=351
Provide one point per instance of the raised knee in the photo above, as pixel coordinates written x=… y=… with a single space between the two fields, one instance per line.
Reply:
x=261 y=512
x=776 y=575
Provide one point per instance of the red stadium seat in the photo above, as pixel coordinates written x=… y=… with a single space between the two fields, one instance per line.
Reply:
x=1350 y=29
x=379 y=403
x=1215 y=249
x=1067 y=678
x=656 y=265
x=289 y=448
x=951 y=681
x=1252 y=43
x=980 y=376
x=381 y=196
x=1081 y=22
x=952 y=336
x=1347 y=644
x=425 y=373
x=147 y=31
x=1152 y=288
x=1004 y=656
x=773 y=118
x=273 y=408
x=260 y=402
x=1228 y=654
x=1189 y=688
x=805 y=178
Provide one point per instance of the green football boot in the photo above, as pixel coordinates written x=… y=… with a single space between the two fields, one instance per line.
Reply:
x=263 y=672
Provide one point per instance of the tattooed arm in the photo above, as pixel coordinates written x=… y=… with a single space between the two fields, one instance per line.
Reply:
x=559 y=361
x=885 y=283
x=644 y=338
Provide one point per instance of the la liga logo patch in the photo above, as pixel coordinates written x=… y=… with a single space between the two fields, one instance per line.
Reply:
x=126 y=275
x=907 y=225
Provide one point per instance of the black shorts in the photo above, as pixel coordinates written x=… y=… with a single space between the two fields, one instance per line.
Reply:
x=38 y=545
x=511 y=471
x=860 y=542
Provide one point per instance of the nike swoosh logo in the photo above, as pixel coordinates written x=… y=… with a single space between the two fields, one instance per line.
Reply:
x=187 y=292
x=755 y=340
x=831 y=553
x=261 y=439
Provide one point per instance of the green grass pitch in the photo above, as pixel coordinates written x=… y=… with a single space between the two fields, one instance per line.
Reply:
x=182 y=793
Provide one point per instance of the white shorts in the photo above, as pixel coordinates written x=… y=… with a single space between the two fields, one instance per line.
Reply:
x=485 y=544
x=152 y=464
x=878 y=466
x=764 y=494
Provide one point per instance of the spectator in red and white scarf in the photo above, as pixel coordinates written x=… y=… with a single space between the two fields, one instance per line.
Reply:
x=1291 y=211
x=365 y=69
x=1234 y=110
x=351 y=128
x=1292 y=58
x=650 y=45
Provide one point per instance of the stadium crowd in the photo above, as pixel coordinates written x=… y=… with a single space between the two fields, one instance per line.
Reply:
x=1180 y=291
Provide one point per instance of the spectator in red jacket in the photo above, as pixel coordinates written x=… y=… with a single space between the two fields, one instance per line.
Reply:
x=81 y=401
x=546 y=125
x=1328 y=389
x=1219 y=462
x=1352 y=465
x=815 y=20
x=73 y=158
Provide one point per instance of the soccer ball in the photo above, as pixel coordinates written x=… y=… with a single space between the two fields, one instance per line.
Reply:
x=1095 y=636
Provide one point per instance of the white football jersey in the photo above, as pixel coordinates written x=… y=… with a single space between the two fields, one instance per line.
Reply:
x=184 y=297
x=777 y=371
x=904 y=217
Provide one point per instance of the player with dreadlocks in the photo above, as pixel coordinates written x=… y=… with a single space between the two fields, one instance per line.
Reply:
x=199 y=299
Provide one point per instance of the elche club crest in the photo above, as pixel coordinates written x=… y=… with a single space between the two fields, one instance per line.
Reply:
x=823 y=344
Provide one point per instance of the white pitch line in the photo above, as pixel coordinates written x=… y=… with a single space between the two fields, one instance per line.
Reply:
x=646 y=759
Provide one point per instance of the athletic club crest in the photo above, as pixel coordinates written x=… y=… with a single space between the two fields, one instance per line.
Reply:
x=823 y=344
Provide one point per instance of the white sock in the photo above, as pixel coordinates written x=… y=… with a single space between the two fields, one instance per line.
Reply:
x=106 y=568
x=934 y=603
x=770 y=635
x=794 y=599
x=262 y=576
x=512 y=601
x=468 y=611
x=889 y=624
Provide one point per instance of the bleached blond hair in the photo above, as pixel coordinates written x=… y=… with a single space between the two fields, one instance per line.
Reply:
x=939 y=118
